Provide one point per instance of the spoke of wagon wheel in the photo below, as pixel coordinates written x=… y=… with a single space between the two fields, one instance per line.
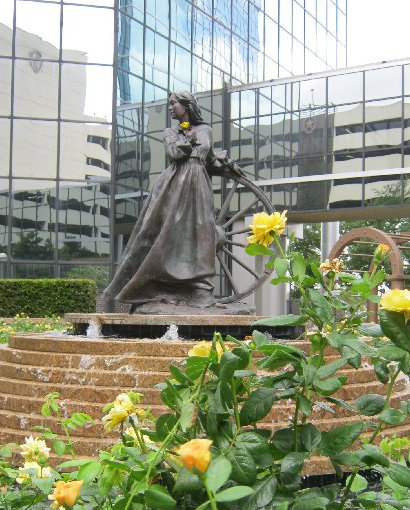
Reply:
x=240 y=231
x=228 y=274
x=239 y=261
x=225 y=206
x=240 y=213
x=233 y=243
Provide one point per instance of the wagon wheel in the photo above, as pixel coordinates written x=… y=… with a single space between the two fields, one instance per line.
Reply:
x=225 y=235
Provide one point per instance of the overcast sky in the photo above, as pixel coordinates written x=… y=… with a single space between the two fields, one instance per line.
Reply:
x=377 y=30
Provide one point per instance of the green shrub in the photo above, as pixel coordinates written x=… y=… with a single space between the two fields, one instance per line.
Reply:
x=46 y=297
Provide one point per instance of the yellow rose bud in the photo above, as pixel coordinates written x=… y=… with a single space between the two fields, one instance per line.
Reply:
x=66 y=493
x=396 y=300
x=265 y=226
x=195 y=454
x=204 y=348
x=185 y=125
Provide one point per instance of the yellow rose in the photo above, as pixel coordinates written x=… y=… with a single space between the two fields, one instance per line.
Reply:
x=265 y=226
x=195 y=454
x=204 y=348
x=184 y=125
x=396 y=300
x=380 y=253
x=65 y=494
x=122 y=408
x=34 y=449
x=336 y=266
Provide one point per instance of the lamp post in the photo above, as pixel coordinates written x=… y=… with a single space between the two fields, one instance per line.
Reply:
x=3 y=261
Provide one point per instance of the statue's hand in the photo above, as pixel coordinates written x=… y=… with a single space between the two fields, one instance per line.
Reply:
x=185 y=147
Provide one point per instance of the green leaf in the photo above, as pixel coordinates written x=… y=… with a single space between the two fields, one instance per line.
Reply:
x=164 y=425
x=391 y=353
x=310 y=437
x=221 y=401
x=218 y=473
x=195 y=366
x=369 y=405
x=253 y=442
x=298 y=266
x=44 y=484
x=234 y=493
x=359 y=483
x=264 y=492
x=291 y=468
x=72 y=463
x=281 y=266
x=309 y=374
x=322 y=307
x=369 y=329
x=347 y=459
x=179 y=375
x=311 y=503
x=157 y=497
x=229 y=363
x=327 y=387
x=341 y=403
x=106 y=480
x=356 y=344
x=399 y=474
x=88 y=472
x=187 y=414
x=186 y=482
x=331 y=368
x=258 y=405
x=305 y=405
x=260 y=338
x=240 y=374
x=339 y=438
x=59 y=447
x=283 y=440
x=282 y=320
x=243 y=466
x=255 y=250
x=372 y=455
x=392 y=417
x=378 y=278
x=382 y=371
x=394 y=326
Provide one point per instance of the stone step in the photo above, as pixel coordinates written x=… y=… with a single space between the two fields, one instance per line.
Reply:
x=127 y=376
x=88 y=361
x=43 y=342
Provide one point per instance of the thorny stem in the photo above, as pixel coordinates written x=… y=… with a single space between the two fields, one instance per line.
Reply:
x=210 y=495
x=233 y=386
x=372 y=438
x=295 y=424
x=138 y=436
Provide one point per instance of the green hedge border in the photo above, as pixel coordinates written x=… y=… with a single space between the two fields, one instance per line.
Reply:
x=46 y=297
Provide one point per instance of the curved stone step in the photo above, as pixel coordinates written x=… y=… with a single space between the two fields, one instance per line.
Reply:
x=87 y=361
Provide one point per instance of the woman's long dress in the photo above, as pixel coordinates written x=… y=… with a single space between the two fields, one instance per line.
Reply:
x=170 y=256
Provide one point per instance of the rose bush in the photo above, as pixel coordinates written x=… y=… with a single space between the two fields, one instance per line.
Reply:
x=210 y=449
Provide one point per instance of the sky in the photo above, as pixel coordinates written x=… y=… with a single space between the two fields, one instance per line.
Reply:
x=377 y=30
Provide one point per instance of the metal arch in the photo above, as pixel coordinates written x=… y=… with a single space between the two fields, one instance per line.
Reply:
x=223 y=243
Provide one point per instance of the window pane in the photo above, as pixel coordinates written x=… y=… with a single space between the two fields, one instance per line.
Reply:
x=105 y=3
x=32 y=271
x=4 y=214
x=271 y=43
x=384 y=82
x=202 y=75
x=222 y=48
x=181 y=12
x=272 y=9
x=5 y=86
x=157 y=15
x=34 y=149
x=383 y=190
x=181 y=64
x=5 y=147
x=129 y=88
x=36 y=88
x=39 y=25
x=156 y=58
x=83 y=228
x=285 y=14
x=33 y=219
x=309 y=94
x=85 y=151
x=100 y=274
x=86 y=92
x=345 y=88
x=6 y=23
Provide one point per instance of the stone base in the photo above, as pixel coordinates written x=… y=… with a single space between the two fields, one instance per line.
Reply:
x=217 y=309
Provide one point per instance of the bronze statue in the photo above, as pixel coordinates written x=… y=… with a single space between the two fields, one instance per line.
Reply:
x=170 y=257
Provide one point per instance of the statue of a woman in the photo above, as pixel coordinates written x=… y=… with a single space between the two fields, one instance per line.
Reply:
x=170 y=256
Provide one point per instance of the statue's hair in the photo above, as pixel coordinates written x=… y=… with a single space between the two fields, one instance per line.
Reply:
x=191 y=104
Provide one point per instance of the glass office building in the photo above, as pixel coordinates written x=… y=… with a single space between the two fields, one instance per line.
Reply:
x=83 y=91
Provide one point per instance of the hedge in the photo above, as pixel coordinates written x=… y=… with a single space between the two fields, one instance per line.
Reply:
x=47 y=296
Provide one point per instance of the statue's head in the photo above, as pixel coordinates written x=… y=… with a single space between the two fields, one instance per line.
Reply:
x=191 y=104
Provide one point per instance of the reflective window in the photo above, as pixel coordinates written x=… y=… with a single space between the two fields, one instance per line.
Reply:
x=265 y=101
x=33 y=219
x=309 y=93
x=285 y=49
x=130 y=46
x=181 y=64
x=85 y=151
x=310 y=6
x=83 y=221
x=345 y=88
x=100 y=274
x=129 y=88
x=6 y=26
x=298 y=57
x=201 y=74
x=103 y=3
x=202 y=36
x=157 y=15
x=4 y=214
x=38 y=29
x=156 y=58
x=271 y=45
x=285 y=14
x=86 y=92
x=36 y=88
x=34 y=149
x=240 y=59
x=341 y=27
x=331 y=17
x=272 y=9
x=256 y=27
x=153 y=93
x=181 y=13
x=5 y=86
x=310 y=33
x=406 y=71
x=85 y=32
x=222 y=11
x=383 y=190
x=5 y=147
x=298 y=22
x=383 y=82
x=222 y=48
x=32 y=270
